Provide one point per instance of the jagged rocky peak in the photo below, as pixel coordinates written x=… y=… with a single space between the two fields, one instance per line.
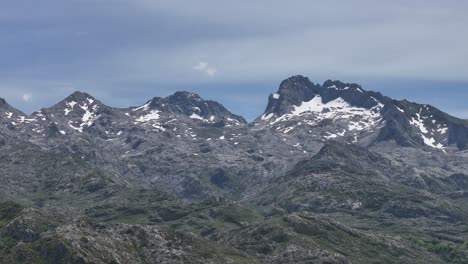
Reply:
x=352 y=93
x=6 y=110
x=74 y=104
x=299 y=102
x=334 y=110
x=6 y=107
x=10 y=116
x=342 y=86
x=193 y=106
x=3 y=102
x=298 y=91
x=292 y=91
x=79 y=96
x=76 y=112
x=412 y=124
x=346 y=112
x=298 y=88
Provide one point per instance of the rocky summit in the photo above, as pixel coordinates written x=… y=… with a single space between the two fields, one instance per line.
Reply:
x=329 y=173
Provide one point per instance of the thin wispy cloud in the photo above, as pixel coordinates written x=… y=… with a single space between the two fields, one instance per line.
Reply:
x=27 y=97
x=205 y=68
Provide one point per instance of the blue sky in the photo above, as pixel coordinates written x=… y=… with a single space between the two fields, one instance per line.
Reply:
x=235 y=52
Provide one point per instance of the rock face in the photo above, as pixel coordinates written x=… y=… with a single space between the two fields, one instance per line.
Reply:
x=329 y=173
x=193 y=106
x=11 y=117
x=345 y=111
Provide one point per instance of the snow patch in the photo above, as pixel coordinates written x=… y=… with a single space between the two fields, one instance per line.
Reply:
x=399 y=109
x=89 y=116
x=70 y=106
x=339 y=105
x=286 y=130
x=442 y=130
x=356 y=205
x=144 y=107
x=77 y=128
x=153 y=115
x=432 y=142
x=419 y=123
x=267 y=117
x=330 y=136
x=315 y=110
x=195 y=116
x=158 y=127
x=23 y=119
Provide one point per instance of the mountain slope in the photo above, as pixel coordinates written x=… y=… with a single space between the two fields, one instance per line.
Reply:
x=330 y=173
x=344 y=111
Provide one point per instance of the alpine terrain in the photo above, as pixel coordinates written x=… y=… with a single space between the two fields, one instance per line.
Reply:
x=329 y=173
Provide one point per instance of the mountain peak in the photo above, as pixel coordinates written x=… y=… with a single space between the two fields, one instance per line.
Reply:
x=298 y=89
x=193 y=106
x=184 y=98
x=8 y=111
x=297 y=85
x=339 y=85
x=79 y=96
x=3 y=103
x=76 y=101
x=346 y=112
x=292 y=91
x=186 y=94
x=78 y=111
x=296 y=79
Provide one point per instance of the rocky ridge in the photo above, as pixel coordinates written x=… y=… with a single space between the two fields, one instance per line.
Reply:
x=324 y=168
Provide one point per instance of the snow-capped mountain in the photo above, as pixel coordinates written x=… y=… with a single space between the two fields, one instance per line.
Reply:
x=75 y=114
x=81 y=113
x=327 y=111
x=347 y=112
x=412 y=124
x=189 y=104
x=300 y=112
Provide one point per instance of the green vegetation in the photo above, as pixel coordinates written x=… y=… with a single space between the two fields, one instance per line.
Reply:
x=43 y=251
x=8 y=211
x=450 y=252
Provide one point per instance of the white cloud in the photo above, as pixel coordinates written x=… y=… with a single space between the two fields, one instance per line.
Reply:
x=27 y=97
x=205 y=68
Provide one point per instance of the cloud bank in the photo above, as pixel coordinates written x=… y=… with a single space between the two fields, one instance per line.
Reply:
x=154 y=46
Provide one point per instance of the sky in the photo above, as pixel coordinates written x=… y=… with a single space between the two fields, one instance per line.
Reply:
x=235 y=52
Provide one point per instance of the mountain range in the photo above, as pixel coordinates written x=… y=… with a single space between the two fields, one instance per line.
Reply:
x=329 y=173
